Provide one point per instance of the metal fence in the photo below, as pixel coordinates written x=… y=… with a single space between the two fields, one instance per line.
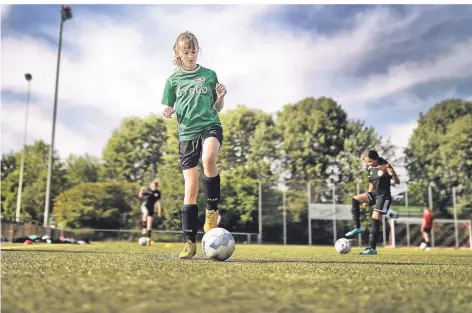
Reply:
x=12 y=229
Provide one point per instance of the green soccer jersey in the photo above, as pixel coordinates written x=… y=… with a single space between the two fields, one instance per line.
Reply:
x=192 y=95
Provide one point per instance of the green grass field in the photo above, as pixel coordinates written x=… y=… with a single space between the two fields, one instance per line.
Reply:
x=124 y=277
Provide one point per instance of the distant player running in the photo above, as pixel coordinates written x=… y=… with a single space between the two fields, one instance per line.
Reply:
x=195 y=95
x=381 y=177
x=150 y=197
x=426 y=227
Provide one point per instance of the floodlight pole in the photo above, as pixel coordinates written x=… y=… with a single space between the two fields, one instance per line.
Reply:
x=430 y=201
x=28 y=78
x=66 y=14
x=309 y=215
x=334 y=214
x=285 y=218
x=454 y=204
x=259 y=236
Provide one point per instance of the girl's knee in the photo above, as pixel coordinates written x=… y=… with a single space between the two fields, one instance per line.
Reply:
x=209 y=159
x=191 y=189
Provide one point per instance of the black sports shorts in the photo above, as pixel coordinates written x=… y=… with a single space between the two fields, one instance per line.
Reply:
x=190 y=151
x=381 y=202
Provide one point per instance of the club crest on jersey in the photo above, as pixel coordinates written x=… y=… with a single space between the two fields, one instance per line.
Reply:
x=380 y=173
x=200 y=80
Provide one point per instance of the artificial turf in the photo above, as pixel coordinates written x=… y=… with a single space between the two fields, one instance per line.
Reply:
x=125 y=277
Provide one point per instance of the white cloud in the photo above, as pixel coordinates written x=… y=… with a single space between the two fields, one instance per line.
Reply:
x=39 y=127
x=119 y=65
x=5 y=10
x=457 y=63
x=400 y=133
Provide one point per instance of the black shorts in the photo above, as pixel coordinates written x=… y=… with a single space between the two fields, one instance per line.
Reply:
x=190 y=151
x=147 y=210
x=427 y=230
x=381 y=202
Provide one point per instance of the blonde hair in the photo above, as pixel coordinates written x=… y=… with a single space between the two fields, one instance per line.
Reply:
x=189 y=40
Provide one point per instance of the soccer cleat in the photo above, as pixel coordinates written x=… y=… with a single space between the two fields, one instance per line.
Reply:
x=190 y=249
x=211 y=220
x=354 y=231
x=369 y=251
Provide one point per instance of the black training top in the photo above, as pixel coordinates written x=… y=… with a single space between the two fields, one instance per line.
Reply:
x=380 y=179
x=150 y=197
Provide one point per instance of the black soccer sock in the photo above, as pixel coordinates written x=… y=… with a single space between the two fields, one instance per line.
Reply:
x=374 y=233
x=212 y=191
x=428 y=243
x=190 y=221
x=149 y=231
x=356 y=213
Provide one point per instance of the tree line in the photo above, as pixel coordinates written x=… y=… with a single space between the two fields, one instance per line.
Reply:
x=312 y=141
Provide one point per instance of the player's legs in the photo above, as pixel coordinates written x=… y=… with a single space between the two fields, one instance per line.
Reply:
x=191 y=185
x=356 y=213
x=382 y=205
x=149 y=226
x=212 y=140
x=190 y=213
x=145 y=212
x=189 y=153
x=426 y=238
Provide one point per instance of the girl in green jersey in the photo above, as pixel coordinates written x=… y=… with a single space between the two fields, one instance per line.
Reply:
x=193 y=93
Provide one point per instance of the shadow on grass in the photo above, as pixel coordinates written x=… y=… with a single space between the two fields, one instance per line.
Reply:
x=367 y=262
x=369 y=259
x=64 y=251
x=148 y=254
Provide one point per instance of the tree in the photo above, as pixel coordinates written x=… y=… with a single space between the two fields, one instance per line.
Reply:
x=82 y=169
x=34 y=182
x=246 y=159
x=8 y=164
x=97 y=205
x=313 y=132
x=425 y=154
x=250 y=140
x=134 y=151
x=456 y=160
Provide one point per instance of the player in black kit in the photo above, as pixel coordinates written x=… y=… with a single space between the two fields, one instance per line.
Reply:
x=150 y=196
x=381 y=177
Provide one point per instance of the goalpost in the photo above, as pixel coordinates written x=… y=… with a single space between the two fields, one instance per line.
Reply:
x=406 y=231
x=403 y=231
x=338 y=214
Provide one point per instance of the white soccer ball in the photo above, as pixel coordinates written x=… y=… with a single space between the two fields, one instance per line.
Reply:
x=423 y=246
x=143 y=241
x=343 y=246
x=218 y=244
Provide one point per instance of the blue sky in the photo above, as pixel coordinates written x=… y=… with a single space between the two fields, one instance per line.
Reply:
x=383 y=64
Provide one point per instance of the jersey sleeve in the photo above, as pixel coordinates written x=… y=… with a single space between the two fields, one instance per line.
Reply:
x=168 y=97
x=215 y=96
